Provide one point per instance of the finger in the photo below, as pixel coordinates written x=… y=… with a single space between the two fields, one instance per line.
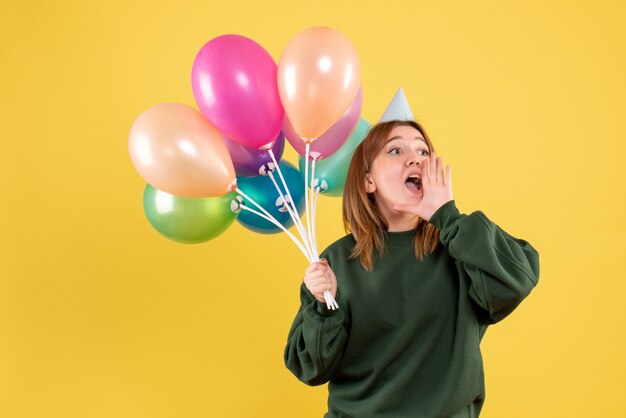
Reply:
x=319 y=276
x=320 y=287
x=322 y=279
x=426 y=170
x=315 y=276
x=313 y=282
x=331 y=274
x=432 y=166
x=317 y=293
x=310 y=270
x=316 y=266
x=440 y=169
x=448 y=181
x=316 y=289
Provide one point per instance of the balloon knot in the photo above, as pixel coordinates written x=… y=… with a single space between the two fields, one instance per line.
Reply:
x=235 y=205
x=266 y=169
x=232 y=187
x=314 y=155
x=320 y=185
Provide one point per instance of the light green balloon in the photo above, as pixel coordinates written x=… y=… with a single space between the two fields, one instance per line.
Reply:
x=188 y=220
x=334 y=169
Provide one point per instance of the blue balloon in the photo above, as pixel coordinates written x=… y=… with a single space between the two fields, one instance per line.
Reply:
x=263 y=191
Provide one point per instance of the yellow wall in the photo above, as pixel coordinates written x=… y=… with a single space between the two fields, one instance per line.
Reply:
x=102 y=317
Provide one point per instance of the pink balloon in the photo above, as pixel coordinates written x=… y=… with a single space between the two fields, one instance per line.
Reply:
x=235 y=86
x=331 y=140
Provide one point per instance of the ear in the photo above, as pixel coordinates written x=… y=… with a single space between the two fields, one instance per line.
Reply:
x=370 y=187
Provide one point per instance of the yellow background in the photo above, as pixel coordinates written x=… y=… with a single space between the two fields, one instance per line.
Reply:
x=102 y=317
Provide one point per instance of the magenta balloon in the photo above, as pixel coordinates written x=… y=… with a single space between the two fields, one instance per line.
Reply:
x=235 y=86
x=327 y=144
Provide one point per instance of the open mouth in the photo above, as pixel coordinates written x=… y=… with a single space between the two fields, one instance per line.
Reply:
x=413 y=183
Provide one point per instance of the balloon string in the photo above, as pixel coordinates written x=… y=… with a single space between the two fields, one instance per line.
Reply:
x=305 y=237
x=315 y=197
x=315 y=192
x=331 y=303
x=307 y=191
x=293 y=213
x=278 y=224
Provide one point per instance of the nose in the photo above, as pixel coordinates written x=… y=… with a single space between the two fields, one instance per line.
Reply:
x=414 y=160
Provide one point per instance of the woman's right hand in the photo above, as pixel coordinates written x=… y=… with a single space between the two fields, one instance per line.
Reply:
x=318 y=278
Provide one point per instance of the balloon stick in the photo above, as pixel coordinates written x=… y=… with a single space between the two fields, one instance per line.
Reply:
x=278 y=224
x=290 y=205
x=305 y=236
x=331 y=303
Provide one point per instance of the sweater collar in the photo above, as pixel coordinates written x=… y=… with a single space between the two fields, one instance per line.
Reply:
x=399 y=238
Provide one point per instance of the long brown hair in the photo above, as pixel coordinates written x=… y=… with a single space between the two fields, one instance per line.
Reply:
x=361 y=215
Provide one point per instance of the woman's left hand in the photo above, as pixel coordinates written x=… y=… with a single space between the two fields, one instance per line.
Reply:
x=436 y=189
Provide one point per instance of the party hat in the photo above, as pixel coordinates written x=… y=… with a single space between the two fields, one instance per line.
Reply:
x=398 y=108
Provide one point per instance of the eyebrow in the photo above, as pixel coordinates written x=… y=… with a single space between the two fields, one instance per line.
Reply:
x=399 y=137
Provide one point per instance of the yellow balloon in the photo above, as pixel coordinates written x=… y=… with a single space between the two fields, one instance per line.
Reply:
x=318 y=78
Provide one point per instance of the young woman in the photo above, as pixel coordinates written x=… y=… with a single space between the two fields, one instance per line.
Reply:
x=417 y=284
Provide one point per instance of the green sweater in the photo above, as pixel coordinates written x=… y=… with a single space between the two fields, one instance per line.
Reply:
x=405 y=339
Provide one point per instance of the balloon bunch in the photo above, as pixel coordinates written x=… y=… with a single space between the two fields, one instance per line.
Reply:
x=205 y=168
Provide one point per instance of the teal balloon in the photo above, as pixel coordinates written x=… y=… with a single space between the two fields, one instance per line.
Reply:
x=262 y=190
x=188 y=220
x=334 y=169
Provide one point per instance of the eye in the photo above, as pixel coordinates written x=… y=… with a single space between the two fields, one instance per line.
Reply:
x=423 y=152
x=394 y=151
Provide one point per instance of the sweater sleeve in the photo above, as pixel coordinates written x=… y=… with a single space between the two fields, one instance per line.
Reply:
x=502 y=269
x=316 y=340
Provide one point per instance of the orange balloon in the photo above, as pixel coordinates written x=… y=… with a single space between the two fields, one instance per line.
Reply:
x=176 y=150
x=318 y=78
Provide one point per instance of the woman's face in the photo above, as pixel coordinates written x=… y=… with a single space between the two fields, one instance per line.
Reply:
x=395 y=175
